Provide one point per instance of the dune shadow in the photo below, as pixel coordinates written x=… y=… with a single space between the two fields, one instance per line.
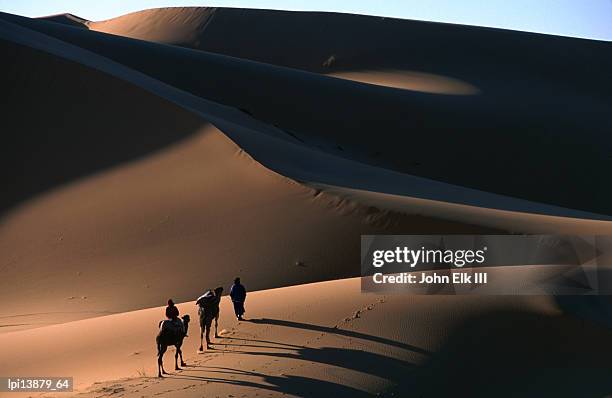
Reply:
x=520 y=109
x=596 y=302
x=517 y=353
x=64 y=121
x=591 y=307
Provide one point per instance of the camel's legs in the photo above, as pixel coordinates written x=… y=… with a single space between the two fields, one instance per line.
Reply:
x=208 y=327
x=181 y=355
x=176 y=354
x=216 y=326
x=159 y=364
x=201 y=339
x=160 y=360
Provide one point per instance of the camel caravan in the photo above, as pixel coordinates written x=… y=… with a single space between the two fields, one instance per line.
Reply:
x=173 y=330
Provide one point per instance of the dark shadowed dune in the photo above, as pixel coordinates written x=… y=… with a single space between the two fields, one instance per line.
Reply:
x=323 y=42
x=63 y=124
x=517 y=353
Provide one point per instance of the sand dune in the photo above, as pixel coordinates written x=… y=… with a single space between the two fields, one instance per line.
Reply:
x=324 y=42
x=488 y=128
x=173 y=184
x=121 y=230
x=161 y=153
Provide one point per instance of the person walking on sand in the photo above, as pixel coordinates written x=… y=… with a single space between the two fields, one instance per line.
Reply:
x=238 y=296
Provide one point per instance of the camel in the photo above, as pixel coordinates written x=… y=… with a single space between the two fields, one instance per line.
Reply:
x=218 y=293
x=167 y=337
x=209 y=311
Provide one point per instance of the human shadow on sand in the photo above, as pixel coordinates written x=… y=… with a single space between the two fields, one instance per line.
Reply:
x=382 y=366
x=286 y=384
x=344 y=359
x=502 y=353
x=341 y=332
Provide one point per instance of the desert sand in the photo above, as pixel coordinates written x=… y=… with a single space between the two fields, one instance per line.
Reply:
x=165 y=152
x=329 y=338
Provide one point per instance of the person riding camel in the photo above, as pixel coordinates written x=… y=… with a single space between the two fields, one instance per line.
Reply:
x=172 y=311
x=173 y=321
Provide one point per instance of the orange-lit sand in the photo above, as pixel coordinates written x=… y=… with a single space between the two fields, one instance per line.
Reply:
x=413 y=81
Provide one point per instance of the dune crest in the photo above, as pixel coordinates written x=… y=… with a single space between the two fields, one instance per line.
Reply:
x=168 y=25
x=67 y=19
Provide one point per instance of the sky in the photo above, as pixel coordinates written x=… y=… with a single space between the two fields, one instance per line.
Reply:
x=590 y=19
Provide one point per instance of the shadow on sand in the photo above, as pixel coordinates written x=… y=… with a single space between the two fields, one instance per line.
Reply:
x=518 y=354
x=381 y=366
x=498 y=353
x=338 y=331
x=288 y=384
